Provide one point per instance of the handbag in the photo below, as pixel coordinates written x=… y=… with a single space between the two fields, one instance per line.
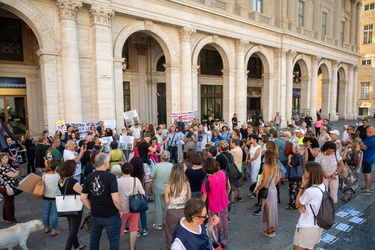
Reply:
x=346 y=171
x=39 y=189
x=297 y=171
x=137 y=202
x=11 y=190
x=68 y=205
x=263 y=193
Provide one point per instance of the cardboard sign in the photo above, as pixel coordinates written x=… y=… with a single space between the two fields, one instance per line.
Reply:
x=131 y=117
x=126 y=142
x=28 y=184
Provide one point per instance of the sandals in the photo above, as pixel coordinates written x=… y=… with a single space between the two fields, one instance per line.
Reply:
x=268 y=234
x=56 y=233
x=291 y=207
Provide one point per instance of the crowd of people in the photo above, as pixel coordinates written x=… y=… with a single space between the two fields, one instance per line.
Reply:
x=187 y=171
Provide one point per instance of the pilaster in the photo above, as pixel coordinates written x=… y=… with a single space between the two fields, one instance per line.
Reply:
x=228 y=93
x=350 y=104
x=288 y=90
x=333 y=92
x=172 y=74
x=240 y=99
x=314 y=85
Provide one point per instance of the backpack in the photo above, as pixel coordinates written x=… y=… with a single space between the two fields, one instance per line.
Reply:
x=288 y=148
x=135 y=152
x=232 y=170
x=354 y=159
x=326 y=215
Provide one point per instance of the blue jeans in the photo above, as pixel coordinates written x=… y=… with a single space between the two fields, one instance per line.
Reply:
x=112 y=226
x=174 y=155
x=143 y=217
x=50 y=208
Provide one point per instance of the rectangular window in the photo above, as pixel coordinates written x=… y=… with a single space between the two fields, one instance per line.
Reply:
x=11 y=48
x=367 y=33
x=324 y=23
x=301 y=11
x=211 y=102
x=369 y=6
x=210 y=62
x=363 y=111
x=257 y=5
x=126 y=91
x=254 y=67
x=342 y=31
x=366 y=62
x=365 y=88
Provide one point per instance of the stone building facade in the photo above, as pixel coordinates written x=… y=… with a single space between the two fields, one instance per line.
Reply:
x=366 y=73
x=91 y=60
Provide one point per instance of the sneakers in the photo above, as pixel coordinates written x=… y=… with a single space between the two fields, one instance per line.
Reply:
x=238 y=198
x=252 y=196
x=157 y=227
x=364 y=188
x=138 y=234
x=257 y=212
x=126 y=230
x=365 y=192
x=145 y=232
x=80 y=247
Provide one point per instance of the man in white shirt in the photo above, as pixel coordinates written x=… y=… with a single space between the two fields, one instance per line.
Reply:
x=237 y=153
x=71 y=154
x=136 y=131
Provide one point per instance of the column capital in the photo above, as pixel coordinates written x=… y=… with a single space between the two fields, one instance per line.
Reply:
x=46 y=57
x=186 y=33
x=240 y=45
x=334 y=63
x=68 y=9
x=279 y=52
x=350 y=66
x=315 y=59
x=101 y=15
x=290 y=54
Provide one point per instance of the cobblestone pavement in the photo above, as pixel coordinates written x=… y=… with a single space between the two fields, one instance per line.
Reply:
x=244 y=230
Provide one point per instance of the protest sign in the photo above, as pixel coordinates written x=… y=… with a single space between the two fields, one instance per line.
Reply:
x=187 y=117
x=131 y=117
x=126 y=142
x=60 y=125
x=84 y=127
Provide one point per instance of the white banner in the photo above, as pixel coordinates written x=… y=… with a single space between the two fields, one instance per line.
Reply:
x=131 y=117
x=187 y=117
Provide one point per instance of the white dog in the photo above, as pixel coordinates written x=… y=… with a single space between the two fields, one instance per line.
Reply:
x=18 y=234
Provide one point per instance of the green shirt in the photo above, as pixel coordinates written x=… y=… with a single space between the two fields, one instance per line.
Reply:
x=54 y=154
x=160 y=176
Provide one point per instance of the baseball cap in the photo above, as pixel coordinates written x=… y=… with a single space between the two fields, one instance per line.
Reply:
x=299 y=130
x=334 y=132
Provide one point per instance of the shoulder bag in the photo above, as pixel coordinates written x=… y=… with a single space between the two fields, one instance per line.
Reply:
x=137 y=202
x=263 y=193
x=68 y=205
x=39 y=188
x=297 y=171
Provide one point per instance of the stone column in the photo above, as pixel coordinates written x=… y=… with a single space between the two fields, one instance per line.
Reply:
x=343 y=101
x=185 y=58
x=353 y=22
x=289 y=85
x=326 y=86
x=354 y=91
x=240 y=99
x=68 y=10
x=267 y=97
x=337 y=22
x=101 y=21
x=349 y=93
x=172 y=74
x=317 y=23
x=195 y=87
x=333 y=92
x=314 y=86
x=119 y=92
x=228 y=94
x=279 y=91
x=49 y=95
x=357 y=24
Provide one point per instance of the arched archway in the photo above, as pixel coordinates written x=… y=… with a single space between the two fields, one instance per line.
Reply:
x=145 y=85
x=323 y=97
x=215 y=79
x=42 y=78
x=342 y=85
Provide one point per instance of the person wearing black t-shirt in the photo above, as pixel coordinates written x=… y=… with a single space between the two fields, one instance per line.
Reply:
x=144 y=148
x=362 y=129
x=234 y=120
x=104 y=203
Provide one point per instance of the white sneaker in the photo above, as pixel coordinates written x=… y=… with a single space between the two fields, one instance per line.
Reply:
x=252 y=196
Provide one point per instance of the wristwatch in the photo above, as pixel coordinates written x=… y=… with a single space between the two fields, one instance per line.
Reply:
x=337 y=173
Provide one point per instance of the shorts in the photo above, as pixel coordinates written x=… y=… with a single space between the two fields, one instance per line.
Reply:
x=235 y=185
x=307 y=237
x=366 y=168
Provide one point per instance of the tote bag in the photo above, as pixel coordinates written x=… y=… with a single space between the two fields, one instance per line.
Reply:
x=68 y=205
x=137 y=202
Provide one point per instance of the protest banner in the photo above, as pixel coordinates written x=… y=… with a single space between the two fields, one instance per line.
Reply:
x=126 y=142
x=187 y=117
x=84 y=127
x=131 y=117
x=60 y=125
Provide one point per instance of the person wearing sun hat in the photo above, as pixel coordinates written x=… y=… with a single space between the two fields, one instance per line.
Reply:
x=300 y=135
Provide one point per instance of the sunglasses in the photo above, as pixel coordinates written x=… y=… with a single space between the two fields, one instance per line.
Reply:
x=203 y=217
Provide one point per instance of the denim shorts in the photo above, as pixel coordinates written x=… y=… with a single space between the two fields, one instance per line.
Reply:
x=366 y=168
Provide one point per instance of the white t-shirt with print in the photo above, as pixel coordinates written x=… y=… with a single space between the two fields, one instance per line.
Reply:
x=329 y=163
x=70 y=155
x=312 y=196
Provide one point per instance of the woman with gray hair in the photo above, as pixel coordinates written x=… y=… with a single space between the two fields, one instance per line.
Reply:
x=160 y=176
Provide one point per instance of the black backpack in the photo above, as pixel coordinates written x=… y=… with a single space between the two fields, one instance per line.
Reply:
x=232 y=170
x=326 y=215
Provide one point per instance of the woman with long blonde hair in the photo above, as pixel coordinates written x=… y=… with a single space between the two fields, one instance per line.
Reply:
x=271 y=177
x=177 y=192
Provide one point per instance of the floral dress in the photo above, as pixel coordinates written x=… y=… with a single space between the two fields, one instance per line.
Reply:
x=4 y=179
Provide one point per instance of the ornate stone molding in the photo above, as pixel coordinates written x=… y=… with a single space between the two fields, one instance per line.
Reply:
x=279 y=52
x=240 y=45
x=100 y=15
x=335 y=63
x=290 y=54
x=315 y=59
x=68 y=9
x=186 y=33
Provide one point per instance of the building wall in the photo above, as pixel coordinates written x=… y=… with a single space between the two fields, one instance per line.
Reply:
x=366 y=73
x=81 y=43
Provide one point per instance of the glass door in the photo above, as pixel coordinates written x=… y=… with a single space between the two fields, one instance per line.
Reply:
x=13 y=110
